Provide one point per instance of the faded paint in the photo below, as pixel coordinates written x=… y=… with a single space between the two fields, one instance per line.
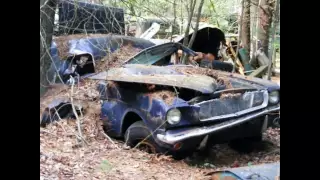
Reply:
x=158 y=76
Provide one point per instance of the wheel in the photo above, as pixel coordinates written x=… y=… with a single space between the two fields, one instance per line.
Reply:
x=245 y=145
x=139 y=135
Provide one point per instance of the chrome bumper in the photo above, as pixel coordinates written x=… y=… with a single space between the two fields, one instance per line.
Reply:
x=172 y=136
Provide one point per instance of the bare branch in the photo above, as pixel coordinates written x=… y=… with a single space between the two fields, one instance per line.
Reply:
x=197 y=24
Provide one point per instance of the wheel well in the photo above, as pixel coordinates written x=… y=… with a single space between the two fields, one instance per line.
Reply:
x=129 y=119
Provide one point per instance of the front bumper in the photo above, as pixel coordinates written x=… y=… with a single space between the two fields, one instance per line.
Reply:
x=174 y=136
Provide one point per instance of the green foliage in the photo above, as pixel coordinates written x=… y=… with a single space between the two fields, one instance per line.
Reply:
x=218 y=12
x=105 y=166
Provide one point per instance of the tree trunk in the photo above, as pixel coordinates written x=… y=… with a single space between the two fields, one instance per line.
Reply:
x=253 y=24
x=174 y=19
x=245 y=35
x=273 y=33
x=186 y=34
x=264 y=24
x=193 y=37
x=47 y=12
x=240 y=29
x=191 y=10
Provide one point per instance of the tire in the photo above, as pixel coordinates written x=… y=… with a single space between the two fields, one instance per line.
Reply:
x=139 y=133
x=245 y=145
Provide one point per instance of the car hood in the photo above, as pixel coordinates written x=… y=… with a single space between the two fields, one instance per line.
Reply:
x=241 y=81
x=158 y=75
x=236 y=81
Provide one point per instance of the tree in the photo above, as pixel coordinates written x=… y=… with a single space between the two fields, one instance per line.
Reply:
x=273 y=33
x=264 y=23
x=253 y=24
x=191 y=9
x=47 y=12
x=190 y=15
x=193 y=37
x=245 y=34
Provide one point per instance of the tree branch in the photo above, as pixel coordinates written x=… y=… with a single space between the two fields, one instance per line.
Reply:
x=197 y=24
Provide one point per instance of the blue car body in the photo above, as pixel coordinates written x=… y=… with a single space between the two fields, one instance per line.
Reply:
x=128 y=98
x=94 y=47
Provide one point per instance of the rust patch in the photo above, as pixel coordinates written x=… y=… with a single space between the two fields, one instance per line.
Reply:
x=165 y=95
x=229 y=95
x=216 y=74
x=150 y=87
x=111 y=84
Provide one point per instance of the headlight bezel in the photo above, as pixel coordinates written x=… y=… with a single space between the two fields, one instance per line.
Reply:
x=171 y=113
x=274 y=97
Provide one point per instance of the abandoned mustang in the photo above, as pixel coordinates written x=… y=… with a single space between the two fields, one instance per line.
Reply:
x=173 y=108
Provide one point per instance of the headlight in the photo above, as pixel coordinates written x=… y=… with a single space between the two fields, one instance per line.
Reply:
x=274 y=97
x=173 y=116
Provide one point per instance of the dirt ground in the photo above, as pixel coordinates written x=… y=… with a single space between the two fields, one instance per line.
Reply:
x=66 y=155
x=61 y=158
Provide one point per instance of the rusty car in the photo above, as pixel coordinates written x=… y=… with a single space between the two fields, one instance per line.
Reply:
x=173 y=108
x=156 y=101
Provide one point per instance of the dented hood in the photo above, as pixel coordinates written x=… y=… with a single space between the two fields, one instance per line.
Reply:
x=159 y=75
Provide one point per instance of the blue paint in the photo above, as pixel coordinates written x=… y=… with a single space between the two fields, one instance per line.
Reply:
x=96 y=47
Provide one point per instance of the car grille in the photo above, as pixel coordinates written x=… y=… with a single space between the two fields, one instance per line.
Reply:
x=232 y=106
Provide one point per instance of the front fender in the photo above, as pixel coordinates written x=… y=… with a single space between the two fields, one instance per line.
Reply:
x=111 y=116
x=129 y=110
